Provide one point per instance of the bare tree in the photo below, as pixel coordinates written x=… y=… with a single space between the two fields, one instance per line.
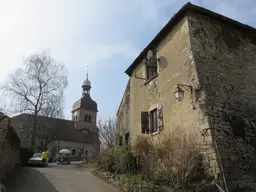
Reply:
x=34 y=85
x=54 y=106
x=45 y=136
x=3 y=105
x=108 y=132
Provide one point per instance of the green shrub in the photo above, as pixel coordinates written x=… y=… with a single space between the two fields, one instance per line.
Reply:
x=106 y=160
x=117 y=160
x=124 y=160
x=173 y=160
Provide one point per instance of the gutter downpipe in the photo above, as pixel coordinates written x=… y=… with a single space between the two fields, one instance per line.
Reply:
x=221 y=166
x=218 y=156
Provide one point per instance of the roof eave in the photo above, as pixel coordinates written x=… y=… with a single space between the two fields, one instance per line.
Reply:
x=85 y=109
x=123 y=97
x=158 y=37
x=174 y=20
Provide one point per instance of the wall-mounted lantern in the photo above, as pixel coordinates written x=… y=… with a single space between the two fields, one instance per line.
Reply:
x=179 y=93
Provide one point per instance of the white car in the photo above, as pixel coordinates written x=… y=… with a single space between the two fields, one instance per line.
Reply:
x=37 y=160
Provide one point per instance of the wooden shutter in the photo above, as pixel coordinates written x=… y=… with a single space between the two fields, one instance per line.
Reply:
x=160 y=118
x=144 y=122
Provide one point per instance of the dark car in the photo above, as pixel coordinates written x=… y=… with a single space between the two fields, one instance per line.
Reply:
x=63 y=158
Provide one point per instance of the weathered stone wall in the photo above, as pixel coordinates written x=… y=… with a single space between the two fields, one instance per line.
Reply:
x=225 y=58
x=158 y=92
x=123 y=114
x=9 y=147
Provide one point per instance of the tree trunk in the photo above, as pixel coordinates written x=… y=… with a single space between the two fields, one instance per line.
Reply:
x=34 y=132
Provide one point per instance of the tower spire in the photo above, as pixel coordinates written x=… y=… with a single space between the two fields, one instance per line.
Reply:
x=87 y=72
x=86 y=84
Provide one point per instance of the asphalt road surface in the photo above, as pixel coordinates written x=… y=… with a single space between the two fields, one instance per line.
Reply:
x=58 y=178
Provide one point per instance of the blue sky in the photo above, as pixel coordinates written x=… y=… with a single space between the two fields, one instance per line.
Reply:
x=106 y=35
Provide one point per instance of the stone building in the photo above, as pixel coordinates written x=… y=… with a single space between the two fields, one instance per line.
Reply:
x=9 y=148
x=123 y=118
x=80 y=135
x=84 y=111
x=200 y=74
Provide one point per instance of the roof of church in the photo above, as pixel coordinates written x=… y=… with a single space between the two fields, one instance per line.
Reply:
x=85 y=102
x=64 y=129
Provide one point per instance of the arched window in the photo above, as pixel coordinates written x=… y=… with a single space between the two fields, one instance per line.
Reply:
x=73 y=152
x=86 y=118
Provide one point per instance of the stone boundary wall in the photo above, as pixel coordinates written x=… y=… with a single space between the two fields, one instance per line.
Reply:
x=9 y=147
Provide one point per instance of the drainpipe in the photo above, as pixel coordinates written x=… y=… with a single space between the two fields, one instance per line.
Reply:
x=221 y=166
x=209 y=120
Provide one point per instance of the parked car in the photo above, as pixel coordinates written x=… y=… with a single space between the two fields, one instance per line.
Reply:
x=37 y=160
x=64 y=156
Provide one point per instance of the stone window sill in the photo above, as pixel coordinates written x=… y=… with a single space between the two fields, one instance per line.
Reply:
x=155 y=133
x=151 y=78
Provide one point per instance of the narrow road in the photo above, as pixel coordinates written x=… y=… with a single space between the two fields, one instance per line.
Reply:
x=58 y=178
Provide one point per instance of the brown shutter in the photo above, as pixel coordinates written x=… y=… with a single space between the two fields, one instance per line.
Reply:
x=160 y=118
x=144 y=122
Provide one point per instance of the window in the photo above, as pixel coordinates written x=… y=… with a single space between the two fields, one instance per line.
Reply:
x=153 y=121
x=151 y=71
x=85 y=118
x=121 y=141
x=127 y=138
x=73 y=152
x=75 y=117
x=149 y=122
x=144 y=122
x=151 y=66
x=89 y=118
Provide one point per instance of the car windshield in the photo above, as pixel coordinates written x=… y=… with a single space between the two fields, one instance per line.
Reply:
x=63 y=154
x=37 y=155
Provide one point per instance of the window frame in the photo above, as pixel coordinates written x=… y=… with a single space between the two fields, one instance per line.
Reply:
x=127 y=139
x=144 y=122
x=155 y=73
x=120 y=140
x=149 y=122
x=153 y=66
x=153 y=121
